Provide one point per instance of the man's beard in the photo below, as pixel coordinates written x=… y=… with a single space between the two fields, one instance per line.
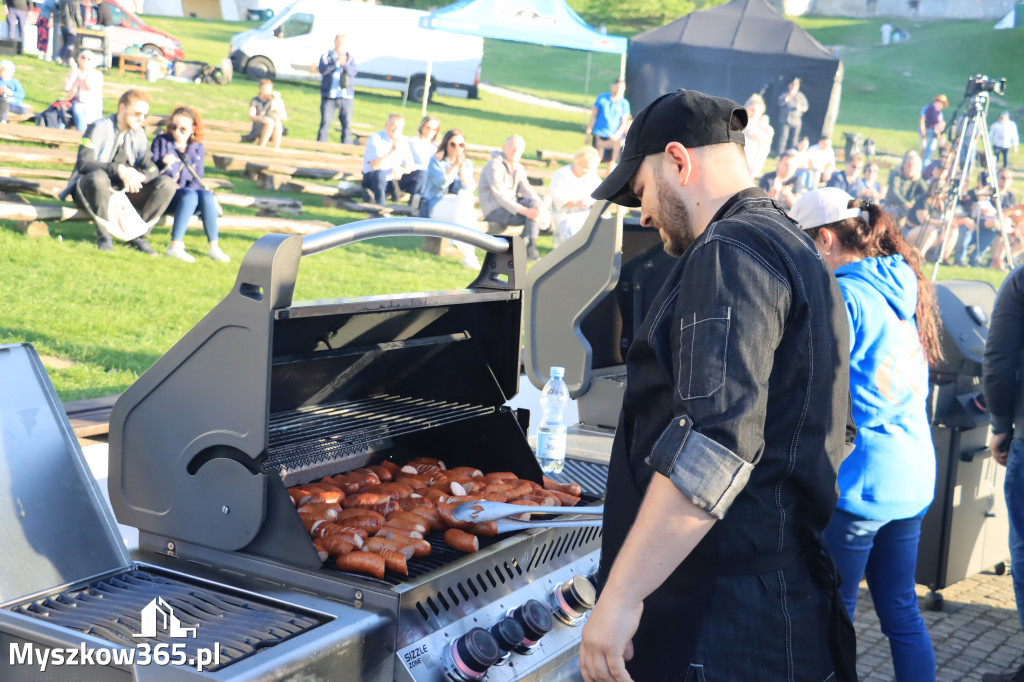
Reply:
x=674 y=221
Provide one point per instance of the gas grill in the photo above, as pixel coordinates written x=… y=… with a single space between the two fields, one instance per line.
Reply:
x=265 y=393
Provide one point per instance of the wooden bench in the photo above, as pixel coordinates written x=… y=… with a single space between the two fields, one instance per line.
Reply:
x=132 y=62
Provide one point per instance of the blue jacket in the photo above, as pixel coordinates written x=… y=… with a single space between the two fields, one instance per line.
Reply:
x=330 y=76
x=17 y=95
x=891 y=473
x=163 y=146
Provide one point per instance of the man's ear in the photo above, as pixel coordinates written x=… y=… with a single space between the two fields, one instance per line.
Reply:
x=679 y=158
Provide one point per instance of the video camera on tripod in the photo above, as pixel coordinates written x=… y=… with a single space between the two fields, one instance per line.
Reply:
x=979 y=83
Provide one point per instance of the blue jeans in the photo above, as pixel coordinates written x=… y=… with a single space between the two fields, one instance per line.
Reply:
x=930 y=138
x=378 y=183
x=343 y=105
x=982 y=239
x=1013 y=490
x=78 y=115
x=886 y=553
x=188 y=202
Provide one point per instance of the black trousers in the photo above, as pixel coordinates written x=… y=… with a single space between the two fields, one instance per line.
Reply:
x=151 y=201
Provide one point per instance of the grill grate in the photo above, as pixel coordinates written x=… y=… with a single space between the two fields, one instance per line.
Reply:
x=111 y=609
x=592 y=477
x=310 y=436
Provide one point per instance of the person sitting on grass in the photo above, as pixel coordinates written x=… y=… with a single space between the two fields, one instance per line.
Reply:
x=179 y=153
x=267 y=113
x=12 y=94
x=114 y=155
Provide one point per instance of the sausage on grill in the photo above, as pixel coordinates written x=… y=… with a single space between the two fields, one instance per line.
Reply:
x=567 y=488
x=362 y=562
x=394 y=561
x=461 y=541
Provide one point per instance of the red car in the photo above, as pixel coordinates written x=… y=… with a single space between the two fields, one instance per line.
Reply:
x=128 y=30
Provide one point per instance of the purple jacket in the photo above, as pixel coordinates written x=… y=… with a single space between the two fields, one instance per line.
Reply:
x=164 y=145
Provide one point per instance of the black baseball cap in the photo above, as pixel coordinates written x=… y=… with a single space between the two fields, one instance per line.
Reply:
x=689 y=117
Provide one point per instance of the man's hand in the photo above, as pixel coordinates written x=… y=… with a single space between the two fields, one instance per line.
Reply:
x=530 y=213
x=999 y=446
x=168 y=160
x=131 y=178
x=608 y=640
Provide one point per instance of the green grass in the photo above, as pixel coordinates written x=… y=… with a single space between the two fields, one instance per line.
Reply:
x=112 y=315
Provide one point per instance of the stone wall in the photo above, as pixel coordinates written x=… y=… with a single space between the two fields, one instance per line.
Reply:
x=988 y=10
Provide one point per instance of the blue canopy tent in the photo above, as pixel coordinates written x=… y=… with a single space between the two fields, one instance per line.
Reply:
x=543 y=22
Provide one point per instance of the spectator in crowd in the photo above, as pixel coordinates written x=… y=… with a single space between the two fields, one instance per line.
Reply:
x=848 y=179
x=179 y=154
x=990 y=230
x=792 y=106
x=758 y=134
x=448 y=193
x=906 y=187
x=930 y=125
x=83 y=87
x=388 y=164
x=12 y=94
x=423 y=146
x=506 y=197
x=17 y=19
x=1004 y=397
x=267 y=113
x=70 y=19
x=868 y=187
x=609 y=121
x=571 y=187
x=114 y=155
x=1003 y=135
x=781 y=184
x=104 y=15
x=886 y=485
x=886 y=33
x=337 y=90
x=821 y=161
x=44 y=27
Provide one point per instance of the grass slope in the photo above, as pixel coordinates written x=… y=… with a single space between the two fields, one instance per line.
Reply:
x=112 y=315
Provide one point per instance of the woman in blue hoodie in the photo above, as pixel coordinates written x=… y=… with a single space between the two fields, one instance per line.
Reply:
x=887 y=483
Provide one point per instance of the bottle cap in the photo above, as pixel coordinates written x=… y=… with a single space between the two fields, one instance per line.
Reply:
x=558 y=372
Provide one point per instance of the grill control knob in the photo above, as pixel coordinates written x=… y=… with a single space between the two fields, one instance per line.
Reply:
x=468 y=657
x=535 y=619
x=509 y=634
x=572 y=599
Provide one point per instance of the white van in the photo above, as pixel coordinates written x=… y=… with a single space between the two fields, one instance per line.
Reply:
x=390 y=49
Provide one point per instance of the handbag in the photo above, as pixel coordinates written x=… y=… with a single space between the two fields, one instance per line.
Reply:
x=122 y=221
x=216 y=201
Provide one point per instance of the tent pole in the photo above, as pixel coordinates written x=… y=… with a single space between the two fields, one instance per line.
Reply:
x=622 y=66
x=586 y=81
x=426 y=87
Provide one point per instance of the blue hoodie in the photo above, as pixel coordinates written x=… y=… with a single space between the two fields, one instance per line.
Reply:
x=891 y=472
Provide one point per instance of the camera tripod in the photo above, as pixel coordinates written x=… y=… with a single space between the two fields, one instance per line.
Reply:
x=956 y=174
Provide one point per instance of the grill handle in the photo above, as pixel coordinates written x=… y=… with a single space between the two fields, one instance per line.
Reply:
x=400 y=227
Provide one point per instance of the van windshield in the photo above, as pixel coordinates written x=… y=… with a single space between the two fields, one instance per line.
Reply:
x=276 y=17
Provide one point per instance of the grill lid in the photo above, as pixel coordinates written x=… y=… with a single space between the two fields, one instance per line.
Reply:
x=56 y=527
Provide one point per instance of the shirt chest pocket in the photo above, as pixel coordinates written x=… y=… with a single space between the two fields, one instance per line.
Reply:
x=703 y=347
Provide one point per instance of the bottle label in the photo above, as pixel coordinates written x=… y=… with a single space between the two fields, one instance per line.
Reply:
x=551 y=445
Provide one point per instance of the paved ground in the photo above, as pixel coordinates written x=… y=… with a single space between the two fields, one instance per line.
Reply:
x=977 y=631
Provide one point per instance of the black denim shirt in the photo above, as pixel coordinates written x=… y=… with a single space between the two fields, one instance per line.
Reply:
x=738 y=391
x=1002 y=375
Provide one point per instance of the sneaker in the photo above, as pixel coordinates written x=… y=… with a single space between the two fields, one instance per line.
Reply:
x=178 y=251
x=216 y=254
x=1014 y=676
x=142 y=245
x=105 y=244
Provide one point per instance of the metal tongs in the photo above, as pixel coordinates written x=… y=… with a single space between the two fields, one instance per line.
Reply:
x=478 y=512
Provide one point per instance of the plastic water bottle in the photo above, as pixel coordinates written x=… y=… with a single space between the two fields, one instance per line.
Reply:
x=551 y=432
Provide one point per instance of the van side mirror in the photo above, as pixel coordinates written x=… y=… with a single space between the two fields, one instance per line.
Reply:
x=278 y=32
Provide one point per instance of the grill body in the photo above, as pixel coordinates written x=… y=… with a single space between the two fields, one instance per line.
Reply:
x=966 y=528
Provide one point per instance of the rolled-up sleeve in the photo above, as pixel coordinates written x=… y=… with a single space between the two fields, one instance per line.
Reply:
x=728 y=321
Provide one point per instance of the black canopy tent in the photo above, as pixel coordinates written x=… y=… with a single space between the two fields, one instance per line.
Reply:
x=735 y=50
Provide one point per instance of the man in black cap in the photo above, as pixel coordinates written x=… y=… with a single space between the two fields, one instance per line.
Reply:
x=734 y=423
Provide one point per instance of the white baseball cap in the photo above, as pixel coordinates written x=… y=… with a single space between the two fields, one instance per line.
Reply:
x=7 y=65
x=823 y=206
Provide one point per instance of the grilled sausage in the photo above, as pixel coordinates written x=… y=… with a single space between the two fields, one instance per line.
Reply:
x=461 y=541
x=542 y=499
x=400 y=534
x=428 y=460
x=434 y=494
x=524 y=502
x=564 y=499
x=413 y=502
x=394 y=561
x=376 y=544
x=419 y=525
x=406 y=516
x=362 y=562
x=499 y=476
x=395 y=490
x=345 y=514
x=335 y=546
x=472 y=472
x=495 y=497
x=390 y=466
x=321 y=550
x=370 y=524
x=366 y=476
x=300 y=496
x=365 y=500
x=428 y=514
x=383 y=473
x=567 y=488
x=348 y=483
x=414 y=481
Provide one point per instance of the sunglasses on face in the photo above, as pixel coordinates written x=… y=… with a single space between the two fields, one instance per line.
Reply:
x=460 y=145
x=175 y=128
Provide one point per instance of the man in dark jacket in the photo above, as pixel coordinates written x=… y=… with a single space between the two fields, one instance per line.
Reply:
x=734 y=423
x=70 y=15
x=17 y=19
x=337 y=90
x=114 y=154
x=1004 y=394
